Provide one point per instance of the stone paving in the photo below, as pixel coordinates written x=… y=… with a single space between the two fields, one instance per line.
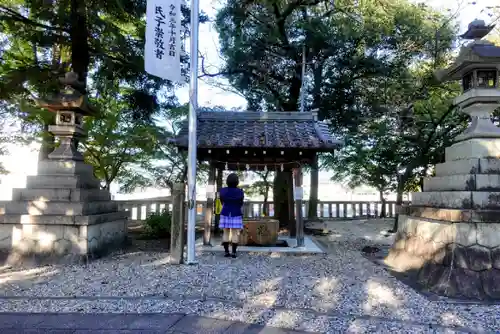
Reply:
x=77 y=323
x=337 y=292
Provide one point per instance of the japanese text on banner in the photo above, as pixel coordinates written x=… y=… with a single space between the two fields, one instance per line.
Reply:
x=162 y=53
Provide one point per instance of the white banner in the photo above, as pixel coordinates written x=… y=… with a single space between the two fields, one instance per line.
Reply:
x=163 y=39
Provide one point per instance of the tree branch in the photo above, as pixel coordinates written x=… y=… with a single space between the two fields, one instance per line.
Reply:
x=20 y=18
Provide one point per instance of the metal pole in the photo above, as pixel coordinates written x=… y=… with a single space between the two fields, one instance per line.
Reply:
x=299 y=220
x=193 y=107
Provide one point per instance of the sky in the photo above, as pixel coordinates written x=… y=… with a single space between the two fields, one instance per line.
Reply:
x=23 y=160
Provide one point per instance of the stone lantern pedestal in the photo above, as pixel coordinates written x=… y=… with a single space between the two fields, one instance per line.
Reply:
x=450 y=234
x=62 y=214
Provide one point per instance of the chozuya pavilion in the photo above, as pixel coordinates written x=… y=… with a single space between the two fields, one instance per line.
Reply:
x=248 y=141
x=450 y=235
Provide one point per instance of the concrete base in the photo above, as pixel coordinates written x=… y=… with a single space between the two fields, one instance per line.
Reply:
x=310 y=247
x=61 y=216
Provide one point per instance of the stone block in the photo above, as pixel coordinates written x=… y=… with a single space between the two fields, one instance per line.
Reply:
x=443 y=199
x=479 y=258
x=62 y=195
x=428 y=275
x=495 y=257
x=441 y=284
x=37 y=208
x=466 y=282
x=102 y=235
x=407 y=225
x=465 y=234
x=101 y=218
x=476 y=148
x=402 y=261
x=450 y=215
x=439 y=255
x=62 y=182
x=400 y=241
x=41 y=195
x=63 y=220
x=6 y=236
x=77 y=237
x=489 y=166
x=491 y=283
x=459 y=182
x=486 y=200
x=458 y=167
x=90 y=195
x=429 y=229
x=54 y=167
x=488 y=235
x=485 y=216
x=489 y=182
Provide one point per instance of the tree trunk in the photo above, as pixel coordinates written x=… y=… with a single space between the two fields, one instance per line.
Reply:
x=281 y=193
x=313 y=195
x=399 y=199
x=383 y=211
x=266 y=204
x=80 y=55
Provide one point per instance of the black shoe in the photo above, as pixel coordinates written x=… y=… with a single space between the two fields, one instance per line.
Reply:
x=226 y=249
x=234 y=246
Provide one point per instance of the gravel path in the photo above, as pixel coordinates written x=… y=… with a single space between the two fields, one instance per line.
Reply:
x=337 y=292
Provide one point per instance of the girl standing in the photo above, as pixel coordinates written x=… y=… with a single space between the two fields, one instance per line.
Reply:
x=231 y=216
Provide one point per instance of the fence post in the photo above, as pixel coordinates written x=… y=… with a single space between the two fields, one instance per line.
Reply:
x=177 y=227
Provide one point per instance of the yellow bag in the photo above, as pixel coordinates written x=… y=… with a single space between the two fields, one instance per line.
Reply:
x=218 y=206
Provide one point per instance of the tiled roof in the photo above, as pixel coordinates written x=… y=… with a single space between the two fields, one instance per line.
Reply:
x=259 y=130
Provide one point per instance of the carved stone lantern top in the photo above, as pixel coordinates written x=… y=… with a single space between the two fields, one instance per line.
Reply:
x=70 y=98
x=479 y=54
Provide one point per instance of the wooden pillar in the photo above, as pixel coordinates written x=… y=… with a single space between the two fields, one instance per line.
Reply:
x=298 y=195
x=177 y=227
x=292 y=225
x=209 y=209
x=218 y=185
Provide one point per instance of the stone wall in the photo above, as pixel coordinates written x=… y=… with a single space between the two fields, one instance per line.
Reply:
x=454 y=259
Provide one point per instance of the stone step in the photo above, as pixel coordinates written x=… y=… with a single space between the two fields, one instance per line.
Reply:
x=62 y=182
x=64 y=220
x=468 y=166
x=452 y=215
x=69 y=195
x=38 y=208
x=55 y=167
x=478 y=182
x=457 y=199
x=476 y=148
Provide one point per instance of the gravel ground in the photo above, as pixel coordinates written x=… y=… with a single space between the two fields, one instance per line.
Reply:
x=337 y=292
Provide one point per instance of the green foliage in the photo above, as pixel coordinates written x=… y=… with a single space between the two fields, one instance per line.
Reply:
x=117 y=145
x=157 y=225
x=102 y=41
x=166 y=166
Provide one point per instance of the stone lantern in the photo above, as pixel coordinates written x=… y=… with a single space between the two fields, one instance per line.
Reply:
x=70 y=105
x=449 y=236
x=62 y=214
